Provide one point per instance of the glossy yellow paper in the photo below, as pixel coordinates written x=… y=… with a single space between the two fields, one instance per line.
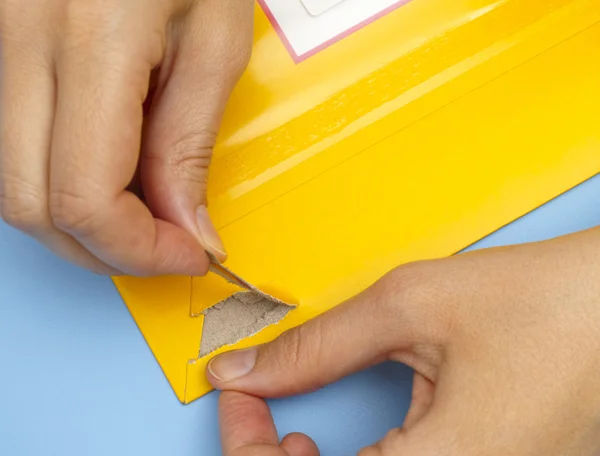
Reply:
x=410 y=139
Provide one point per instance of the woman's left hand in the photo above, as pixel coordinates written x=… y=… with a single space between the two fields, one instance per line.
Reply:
x=505 y=344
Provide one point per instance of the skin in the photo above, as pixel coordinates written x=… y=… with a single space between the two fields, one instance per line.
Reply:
x=505 y=344
x=97 y=92
x=108 y=115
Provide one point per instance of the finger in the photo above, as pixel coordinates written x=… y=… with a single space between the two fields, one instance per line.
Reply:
x=422 y=397
x=213 y=47
x=299 y=445
x=103 y=75
x=364 y=331
x=247 y=426
x=26 y=113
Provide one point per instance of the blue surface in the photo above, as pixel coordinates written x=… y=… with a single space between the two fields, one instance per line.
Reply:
x=78 y=379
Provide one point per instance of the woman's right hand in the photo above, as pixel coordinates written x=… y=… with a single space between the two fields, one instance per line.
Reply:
x=76 y=75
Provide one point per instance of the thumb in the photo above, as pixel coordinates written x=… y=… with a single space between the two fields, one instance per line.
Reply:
x=381 y=323
x=205 y=57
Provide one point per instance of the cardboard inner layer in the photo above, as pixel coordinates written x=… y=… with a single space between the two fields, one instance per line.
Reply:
x=237 y=317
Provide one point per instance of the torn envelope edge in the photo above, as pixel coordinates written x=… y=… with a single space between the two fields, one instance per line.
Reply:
x=197 y=383
x=222 y=271
x=176 y=341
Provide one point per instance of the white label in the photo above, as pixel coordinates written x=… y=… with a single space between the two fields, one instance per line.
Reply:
x=309 y=25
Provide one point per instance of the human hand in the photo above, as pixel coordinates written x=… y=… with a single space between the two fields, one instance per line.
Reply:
x=95 y=90
x=505 y=344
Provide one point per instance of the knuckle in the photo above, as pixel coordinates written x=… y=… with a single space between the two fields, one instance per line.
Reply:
x=412 y=294
x=409 y=284
x=18 y=216
x=23 y=209
x=72 y=213
x=293 y=348
x=288 y=357
x=301 y=350
x=173 y=261
x=191 y=155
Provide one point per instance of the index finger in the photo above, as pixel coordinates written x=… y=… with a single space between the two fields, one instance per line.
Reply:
x=103 y=79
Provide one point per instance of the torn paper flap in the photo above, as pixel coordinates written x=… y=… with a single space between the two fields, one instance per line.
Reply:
x=217 y=268
x=241 y=315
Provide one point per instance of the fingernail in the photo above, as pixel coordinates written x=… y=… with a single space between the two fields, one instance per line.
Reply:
x=209 y=237
x=233 y=365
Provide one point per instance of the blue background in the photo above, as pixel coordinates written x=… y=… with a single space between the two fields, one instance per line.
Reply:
x=78 y=379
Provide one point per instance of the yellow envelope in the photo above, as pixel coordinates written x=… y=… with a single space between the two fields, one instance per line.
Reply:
x=409 y=135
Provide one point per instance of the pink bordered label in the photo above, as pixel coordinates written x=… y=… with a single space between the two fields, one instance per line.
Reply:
x=306 y=27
